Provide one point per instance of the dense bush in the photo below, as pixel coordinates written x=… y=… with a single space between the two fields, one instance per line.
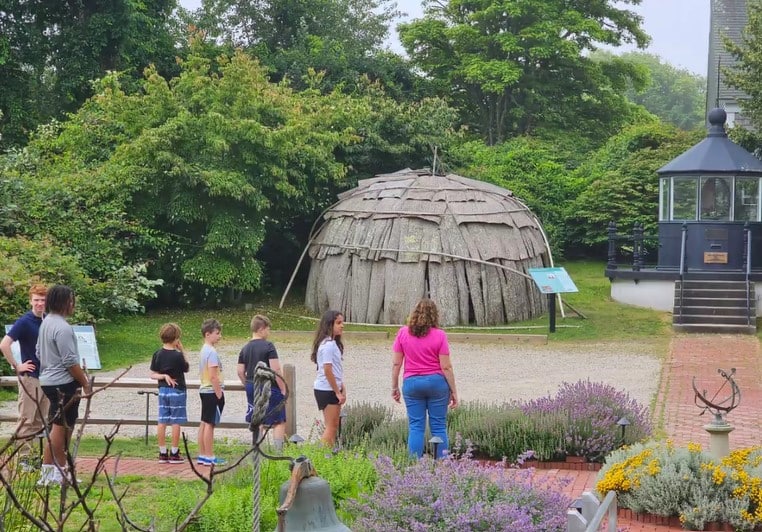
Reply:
x=30 y=261
x=662 y=479
x=458 y=494
x=26 y=262
x=531 y=169
x=621 y=184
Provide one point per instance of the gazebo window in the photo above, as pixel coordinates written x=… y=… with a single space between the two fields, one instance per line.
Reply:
x=715 y=198
x=746 y=201
x=684 y=195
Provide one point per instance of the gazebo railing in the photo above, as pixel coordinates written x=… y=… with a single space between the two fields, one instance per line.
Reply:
x=637 y=242
x=747 y=264
x=683 y=248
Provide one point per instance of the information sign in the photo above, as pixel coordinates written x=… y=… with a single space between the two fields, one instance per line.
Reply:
x=552 y=280
x=88 y=349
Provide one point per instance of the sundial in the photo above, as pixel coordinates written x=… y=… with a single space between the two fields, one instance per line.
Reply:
x=719 y=405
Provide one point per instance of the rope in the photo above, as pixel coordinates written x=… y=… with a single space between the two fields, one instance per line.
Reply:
x=264 y=379
x=255 y=494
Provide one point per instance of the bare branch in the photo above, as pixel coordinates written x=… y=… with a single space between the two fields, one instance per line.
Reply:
x=122 y=515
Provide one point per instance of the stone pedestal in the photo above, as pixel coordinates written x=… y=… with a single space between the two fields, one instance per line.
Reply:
x=719 y=441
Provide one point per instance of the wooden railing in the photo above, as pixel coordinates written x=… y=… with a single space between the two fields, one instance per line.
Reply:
x=149 y=385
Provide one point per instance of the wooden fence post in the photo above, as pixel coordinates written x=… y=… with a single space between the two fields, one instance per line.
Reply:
x=289 y=375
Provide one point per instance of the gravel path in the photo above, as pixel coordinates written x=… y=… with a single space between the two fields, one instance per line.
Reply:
x=492 y=372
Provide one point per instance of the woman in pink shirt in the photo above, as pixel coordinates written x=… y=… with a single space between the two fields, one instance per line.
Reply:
x=428 y=383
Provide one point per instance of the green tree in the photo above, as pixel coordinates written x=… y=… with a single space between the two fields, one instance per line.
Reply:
x=343 y=39
x=675 y=95
x=621 y=184
x=51 y=51
x=533 y=170
x=195 y=176
x=517 y=66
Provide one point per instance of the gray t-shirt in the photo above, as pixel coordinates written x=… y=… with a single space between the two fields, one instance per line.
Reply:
x=57 y=350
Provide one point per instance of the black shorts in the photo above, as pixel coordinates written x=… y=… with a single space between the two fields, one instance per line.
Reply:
x=60 y=397
x=325 y=398
x=211 y=408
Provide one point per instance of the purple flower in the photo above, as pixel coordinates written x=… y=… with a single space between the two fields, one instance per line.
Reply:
x=459 y=494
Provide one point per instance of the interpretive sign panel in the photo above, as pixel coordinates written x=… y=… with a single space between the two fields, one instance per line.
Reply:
x=88 y=349
x=552 y=280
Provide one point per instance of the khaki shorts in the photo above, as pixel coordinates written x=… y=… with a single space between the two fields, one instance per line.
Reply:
x=33 y=408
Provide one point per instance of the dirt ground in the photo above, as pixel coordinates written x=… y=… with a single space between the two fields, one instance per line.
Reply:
x=493 y=371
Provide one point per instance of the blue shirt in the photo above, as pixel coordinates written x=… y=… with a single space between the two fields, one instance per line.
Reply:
x=25 y=331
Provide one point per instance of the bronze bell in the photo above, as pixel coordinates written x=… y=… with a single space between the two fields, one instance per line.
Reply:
x=312 y=507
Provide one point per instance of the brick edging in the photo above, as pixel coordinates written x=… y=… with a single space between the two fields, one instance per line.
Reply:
x=567 y=466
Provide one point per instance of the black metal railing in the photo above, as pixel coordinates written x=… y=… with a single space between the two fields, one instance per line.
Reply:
x=747 y=264
x=635 y=244
x=683 y=247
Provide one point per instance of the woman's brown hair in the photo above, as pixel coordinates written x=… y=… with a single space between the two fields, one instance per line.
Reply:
x=424 y=317
x=325 y=330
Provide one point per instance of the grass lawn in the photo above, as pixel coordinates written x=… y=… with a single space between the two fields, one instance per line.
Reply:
x=607 y=320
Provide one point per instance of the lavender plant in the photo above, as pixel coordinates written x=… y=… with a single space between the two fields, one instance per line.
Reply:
x=458 y=494
x=592 y=410
x=499 y=431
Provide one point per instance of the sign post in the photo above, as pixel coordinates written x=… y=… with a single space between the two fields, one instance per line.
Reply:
x=552 y=281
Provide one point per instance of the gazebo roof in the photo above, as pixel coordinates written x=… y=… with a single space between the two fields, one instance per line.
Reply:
x=716 y=154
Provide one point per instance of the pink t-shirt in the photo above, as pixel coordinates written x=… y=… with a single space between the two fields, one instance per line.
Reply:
x=421 y=355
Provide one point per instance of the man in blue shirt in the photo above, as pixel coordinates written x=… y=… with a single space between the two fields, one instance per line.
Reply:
x=32 y=403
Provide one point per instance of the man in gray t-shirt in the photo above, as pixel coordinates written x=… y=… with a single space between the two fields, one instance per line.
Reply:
x=62 y=379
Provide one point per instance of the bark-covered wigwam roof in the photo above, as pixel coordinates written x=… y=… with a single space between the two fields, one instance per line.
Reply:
x=398 y=237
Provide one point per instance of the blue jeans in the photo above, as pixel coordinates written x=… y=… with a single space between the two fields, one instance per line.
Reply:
x=426 y=394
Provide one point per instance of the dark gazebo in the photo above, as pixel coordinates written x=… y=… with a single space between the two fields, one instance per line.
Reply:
x=710 y=192
x=709 y=241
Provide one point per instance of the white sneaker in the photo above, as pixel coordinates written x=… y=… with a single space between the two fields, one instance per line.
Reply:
x=50 y=475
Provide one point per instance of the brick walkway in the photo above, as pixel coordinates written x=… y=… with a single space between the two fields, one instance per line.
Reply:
x=690 y=356
x=698 y=356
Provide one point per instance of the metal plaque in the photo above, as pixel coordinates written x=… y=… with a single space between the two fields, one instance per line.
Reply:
x=715 y=257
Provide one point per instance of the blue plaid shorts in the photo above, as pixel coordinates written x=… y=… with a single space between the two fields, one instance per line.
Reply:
x=172 y=410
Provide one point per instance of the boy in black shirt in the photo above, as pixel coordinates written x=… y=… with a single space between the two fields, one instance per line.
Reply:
x=169 y=366
x=260 y=350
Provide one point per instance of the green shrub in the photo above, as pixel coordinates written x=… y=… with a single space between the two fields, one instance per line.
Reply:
x=26 y=262
x=361 y=420
x=24 y=485
x=661 y=479
x=349 y=473
x=504 y=431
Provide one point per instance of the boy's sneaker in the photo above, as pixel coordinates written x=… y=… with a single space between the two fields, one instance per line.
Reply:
x=217 y=461
x=204 y=460
x=175 y=458
x=163 y=458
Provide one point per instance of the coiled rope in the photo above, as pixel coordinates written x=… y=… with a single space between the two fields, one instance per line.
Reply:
x=264 y=379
